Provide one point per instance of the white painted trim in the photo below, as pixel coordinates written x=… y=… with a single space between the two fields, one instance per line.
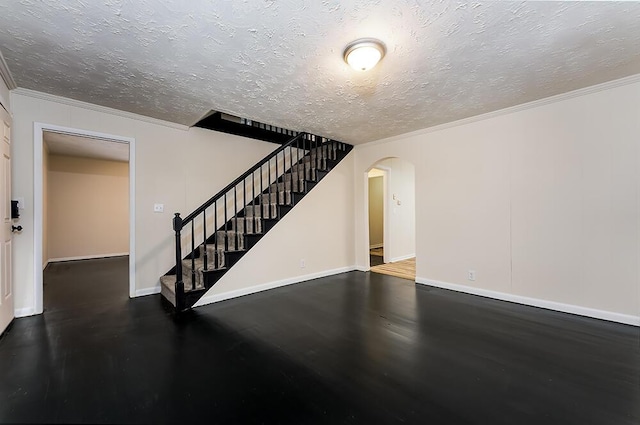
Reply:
x=45 y=264
x=93 y=107
x=24 y=312
x=362 y=269
x=512 y=109
x=5 y=74
x=38 y=142
x=86 y=257
x=376 y=245
x=402 y=258
x=535 y=302
x=209 y=299
x=147 y=291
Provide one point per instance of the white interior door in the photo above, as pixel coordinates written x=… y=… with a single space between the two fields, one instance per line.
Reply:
x=6 y=287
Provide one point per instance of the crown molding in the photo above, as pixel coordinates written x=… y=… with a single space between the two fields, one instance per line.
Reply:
x=93 y=107
x=6 y=74
x=512 y=109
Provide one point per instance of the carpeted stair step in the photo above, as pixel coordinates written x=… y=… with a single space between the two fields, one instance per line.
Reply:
x=234 y=240
x=168 y=290
x=247 y=225
x=281 y=198
x=305 y=170
x=285 y=185
x=260 y=211
x=168 y=283
x=186 y=273
x=215 y=257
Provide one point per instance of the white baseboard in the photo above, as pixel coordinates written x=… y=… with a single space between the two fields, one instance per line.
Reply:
x=376 y=245
x=147 y=291
x=87 y=257
x=402 y=258
x=46 y=263
x=362 y=268
x=209 y=299
x=535 y=302
x=24 y=312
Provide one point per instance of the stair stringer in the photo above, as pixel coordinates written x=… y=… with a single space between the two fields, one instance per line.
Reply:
x=319 y=229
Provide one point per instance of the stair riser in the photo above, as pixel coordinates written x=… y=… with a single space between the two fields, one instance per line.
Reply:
x=251 y=224
x=298 y=186
x=215 y=259
x=229 y=240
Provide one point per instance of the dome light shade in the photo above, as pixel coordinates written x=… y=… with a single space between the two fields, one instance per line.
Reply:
x=364 y=54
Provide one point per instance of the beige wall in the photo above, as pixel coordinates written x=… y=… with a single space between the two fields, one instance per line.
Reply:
x=88 y=207
x=542 y=202
x=376 y=211
x=45 y=206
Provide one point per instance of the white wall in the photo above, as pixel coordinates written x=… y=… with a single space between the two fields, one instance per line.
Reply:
x=178 y=167
x=319 y=230
x=87 y=208
x=541 y=201
x=401 y=211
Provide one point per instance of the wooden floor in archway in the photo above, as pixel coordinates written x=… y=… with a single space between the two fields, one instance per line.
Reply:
x=405 y=269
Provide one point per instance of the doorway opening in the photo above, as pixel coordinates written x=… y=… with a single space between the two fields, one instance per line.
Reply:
x=391 y=218
x=84 y=208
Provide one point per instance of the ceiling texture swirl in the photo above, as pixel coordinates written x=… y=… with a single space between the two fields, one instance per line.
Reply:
x=280 y=61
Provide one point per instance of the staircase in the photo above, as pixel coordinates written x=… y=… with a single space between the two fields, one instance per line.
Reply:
x=242 y=213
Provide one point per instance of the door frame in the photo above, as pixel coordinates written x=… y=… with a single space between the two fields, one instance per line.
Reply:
x=385 y=215
x=38 y=148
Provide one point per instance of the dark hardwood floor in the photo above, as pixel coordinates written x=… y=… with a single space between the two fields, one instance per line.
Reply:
x=356 y=348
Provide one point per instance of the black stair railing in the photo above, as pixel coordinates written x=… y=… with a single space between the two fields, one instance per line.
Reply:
x=240 y=207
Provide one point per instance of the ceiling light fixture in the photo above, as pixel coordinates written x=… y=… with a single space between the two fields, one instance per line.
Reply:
x=364 y=53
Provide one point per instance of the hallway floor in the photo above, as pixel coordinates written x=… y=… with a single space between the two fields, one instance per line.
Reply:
x=355 y=348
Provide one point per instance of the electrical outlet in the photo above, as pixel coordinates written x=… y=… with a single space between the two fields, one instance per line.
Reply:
x=471 y=275
x=303 y=263
x=158 y=208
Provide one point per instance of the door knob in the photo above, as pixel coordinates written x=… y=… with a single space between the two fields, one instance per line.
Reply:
x=16 y=229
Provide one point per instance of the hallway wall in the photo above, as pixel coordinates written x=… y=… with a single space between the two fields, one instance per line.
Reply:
x=88 y=208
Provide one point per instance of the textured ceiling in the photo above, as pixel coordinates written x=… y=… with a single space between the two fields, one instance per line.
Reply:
x=85 y=147
x=280 y=62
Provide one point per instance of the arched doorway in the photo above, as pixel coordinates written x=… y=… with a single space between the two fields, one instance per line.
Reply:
x=390 y=198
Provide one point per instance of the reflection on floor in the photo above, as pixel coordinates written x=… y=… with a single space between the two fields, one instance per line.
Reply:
x=404 y=269
x=376 y=256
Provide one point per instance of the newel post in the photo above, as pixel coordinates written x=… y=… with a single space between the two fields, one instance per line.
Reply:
x=177 y=227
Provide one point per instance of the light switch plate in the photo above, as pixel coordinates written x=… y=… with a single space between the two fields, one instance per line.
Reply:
x=158 y=208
